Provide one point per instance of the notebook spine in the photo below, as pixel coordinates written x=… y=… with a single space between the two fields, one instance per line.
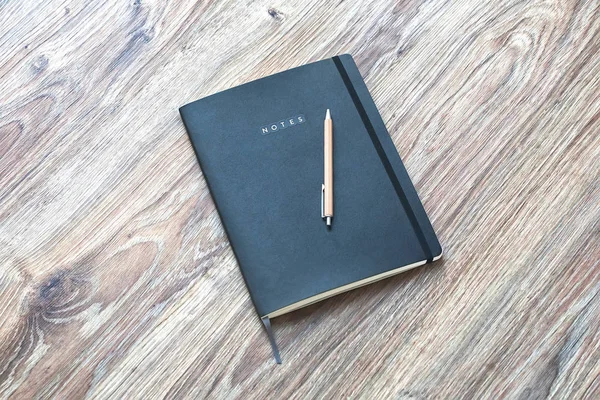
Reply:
x=194 y=138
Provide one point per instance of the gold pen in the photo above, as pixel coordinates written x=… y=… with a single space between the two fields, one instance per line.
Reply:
x=327 y=187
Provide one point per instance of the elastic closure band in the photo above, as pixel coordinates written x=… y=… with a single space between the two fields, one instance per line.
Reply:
x=382 y=156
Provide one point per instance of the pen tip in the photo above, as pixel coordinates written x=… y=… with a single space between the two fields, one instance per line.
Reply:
x=328 y=115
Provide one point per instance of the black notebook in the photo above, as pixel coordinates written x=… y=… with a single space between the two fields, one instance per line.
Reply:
x=260 y=147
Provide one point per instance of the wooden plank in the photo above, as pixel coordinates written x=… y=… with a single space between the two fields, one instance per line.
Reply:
x=116 y=278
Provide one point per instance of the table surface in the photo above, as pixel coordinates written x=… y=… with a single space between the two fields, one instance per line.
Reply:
x=117 y=280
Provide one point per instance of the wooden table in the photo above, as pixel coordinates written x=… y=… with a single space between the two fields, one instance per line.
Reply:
x=117 y=280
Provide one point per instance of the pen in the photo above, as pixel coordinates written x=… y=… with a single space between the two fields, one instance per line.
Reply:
x=327 y=187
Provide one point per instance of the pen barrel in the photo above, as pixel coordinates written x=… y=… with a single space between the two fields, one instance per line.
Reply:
x=328 y=178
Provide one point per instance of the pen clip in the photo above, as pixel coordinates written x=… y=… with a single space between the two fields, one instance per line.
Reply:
x=323 y=201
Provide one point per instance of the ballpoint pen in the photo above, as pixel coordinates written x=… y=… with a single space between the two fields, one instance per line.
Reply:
x=327 y=187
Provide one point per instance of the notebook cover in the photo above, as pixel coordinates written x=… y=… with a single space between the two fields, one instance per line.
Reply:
x=260 y=147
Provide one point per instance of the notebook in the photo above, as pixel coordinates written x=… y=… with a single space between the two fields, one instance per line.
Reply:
x=260 y=148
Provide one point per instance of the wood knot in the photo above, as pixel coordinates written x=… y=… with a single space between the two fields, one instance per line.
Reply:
x=63 y=295
x=275 y=14
x=40 y=64
x=143 y=36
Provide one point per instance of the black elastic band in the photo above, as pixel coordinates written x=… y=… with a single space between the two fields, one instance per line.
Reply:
x=267 y=323
x=386 y=163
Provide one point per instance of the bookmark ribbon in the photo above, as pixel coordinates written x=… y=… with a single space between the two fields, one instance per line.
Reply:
x=267 y=323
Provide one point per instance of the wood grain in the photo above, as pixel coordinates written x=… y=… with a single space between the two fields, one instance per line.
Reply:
x=116 y=279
